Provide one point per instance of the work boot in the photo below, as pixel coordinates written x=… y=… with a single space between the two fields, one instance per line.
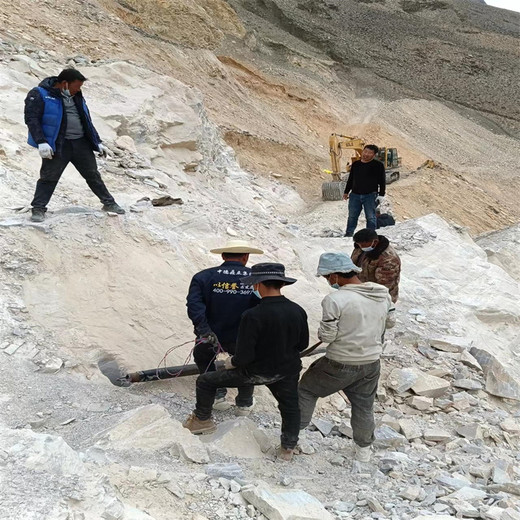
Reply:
x=114 y=208
x=348 y=235
x=285 y=454
x=38 y=215
x=362 y=454
x=198 y=427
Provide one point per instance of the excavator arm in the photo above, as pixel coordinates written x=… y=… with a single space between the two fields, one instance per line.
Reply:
x=338 y=143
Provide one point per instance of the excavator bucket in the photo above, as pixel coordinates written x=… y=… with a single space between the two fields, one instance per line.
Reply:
x=333 y=190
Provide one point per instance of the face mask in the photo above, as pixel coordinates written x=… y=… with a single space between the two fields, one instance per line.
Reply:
x=257 y=294
x=368 y=249
x=66 y=92
x=334 y=285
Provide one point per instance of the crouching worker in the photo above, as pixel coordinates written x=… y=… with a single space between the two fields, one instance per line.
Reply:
x=270 y=339
x=354 y=319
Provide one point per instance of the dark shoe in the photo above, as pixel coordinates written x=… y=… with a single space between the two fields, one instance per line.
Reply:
x=114 y=208
x=348 y=235
x=38 y=215
x=198 y=427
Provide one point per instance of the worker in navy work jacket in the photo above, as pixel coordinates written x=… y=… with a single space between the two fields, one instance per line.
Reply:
x=216 y=300
x=61 y=128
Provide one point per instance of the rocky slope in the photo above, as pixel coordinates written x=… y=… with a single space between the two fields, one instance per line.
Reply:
x=85 y=288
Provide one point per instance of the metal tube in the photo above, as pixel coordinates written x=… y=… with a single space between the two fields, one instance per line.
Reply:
x=157 y=374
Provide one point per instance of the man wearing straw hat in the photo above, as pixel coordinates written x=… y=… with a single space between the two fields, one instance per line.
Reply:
x=270 y=339
x=216 y=300
x=354 y=320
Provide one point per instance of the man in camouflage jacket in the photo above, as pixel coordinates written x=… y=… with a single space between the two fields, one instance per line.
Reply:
x=378 y=260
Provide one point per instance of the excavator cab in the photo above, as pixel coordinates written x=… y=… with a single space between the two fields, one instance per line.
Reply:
x=389 y=157
x=391 y=161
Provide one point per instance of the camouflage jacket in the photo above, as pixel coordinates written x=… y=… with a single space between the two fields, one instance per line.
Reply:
x=382 y=265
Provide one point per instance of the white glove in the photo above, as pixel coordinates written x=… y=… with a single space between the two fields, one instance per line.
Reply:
x=103 y=150
x=45 y=150
x=227 y=364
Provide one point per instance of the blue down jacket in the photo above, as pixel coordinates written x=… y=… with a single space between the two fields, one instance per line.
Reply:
x=46 y=119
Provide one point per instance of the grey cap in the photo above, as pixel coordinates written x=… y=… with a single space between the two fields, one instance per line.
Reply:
x=336 y=263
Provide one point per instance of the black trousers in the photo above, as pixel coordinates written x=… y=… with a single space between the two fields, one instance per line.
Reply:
x=283 y=388
x=204 y=356
x=79 y=153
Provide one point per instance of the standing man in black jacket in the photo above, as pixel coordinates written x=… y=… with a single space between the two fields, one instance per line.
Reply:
x=216 y=300
x=366 y=184
x=270 y=339
x=61 y=128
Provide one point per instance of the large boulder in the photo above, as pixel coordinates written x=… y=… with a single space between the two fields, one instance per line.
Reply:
x=293 y=504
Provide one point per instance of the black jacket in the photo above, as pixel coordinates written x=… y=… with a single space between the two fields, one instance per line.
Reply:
x=271 y=337
x=217 y=298
x=367 y=178
x=34 y=107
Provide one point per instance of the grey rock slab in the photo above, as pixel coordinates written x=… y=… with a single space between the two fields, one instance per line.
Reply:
x=151 y=428
x=493 y=513
x=452 y=482
x=52 y=365
x=420 y=402
x=402 y=379
x=510 y=426
x=324 y=426
x=498 y=380
x=467 y=359
x=450 y=343
x=437 y=435
x=411 y=493
x=502 y=472
x=430 y=386
x=11 y=349
x=510 y=514
x=470 y=431
x=239 y=437
x=467 y=384
x=375 y=505
x=345 y=429
x=391 y=421
x=411 y=430
x=228 y=470
x=465 y=509
x=467 y=493
x=175 y=490
x=285 y=505
x=386 y=437
x=512 y=488
x=435 y=517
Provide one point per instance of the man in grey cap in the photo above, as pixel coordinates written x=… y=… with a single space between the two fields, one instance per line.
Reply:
x=270 y=339
x=354 y=320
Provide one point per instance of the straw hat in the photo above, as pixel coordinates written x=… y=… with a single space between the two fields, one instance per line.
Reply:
x=237 y=246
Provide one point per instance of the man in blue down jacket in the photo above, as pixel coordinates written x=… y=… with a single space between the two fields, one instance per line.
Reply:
x=61 y=128
x=216 y=300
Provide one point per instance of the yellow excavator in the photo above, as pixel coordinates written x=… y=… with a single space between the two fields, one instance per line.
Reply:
x=334 y=189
